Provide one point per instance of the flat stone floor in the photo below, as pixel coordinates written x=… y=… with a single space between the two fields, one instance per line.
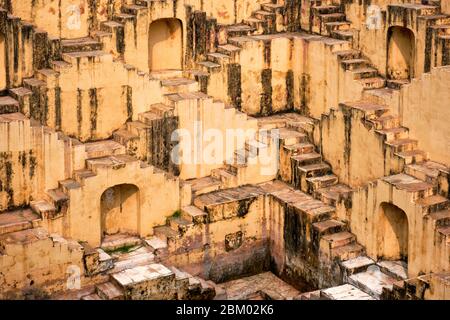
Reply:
x=265 y=286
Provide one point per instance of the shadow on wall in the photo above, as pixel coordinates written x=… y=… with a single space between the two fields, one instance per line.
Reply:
x=120 y=210
x=165 y=44
x=400 y=64
x=392 y=233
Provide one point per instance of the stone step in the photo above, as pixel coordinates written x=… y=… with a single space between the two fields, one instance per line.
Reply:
x=337 y=26
x=158 y=246
x=194 y=215
x=401 y=145
x=154 y=281
x=315 y=169
x=263 y=15
x=440 y=218
x=433 y=204
x=411 y=10
x=412 y=156
x=80 y=44
x=348 y=54
x=370 y=109
x=109 y=291
x=356 y=265
x=334 y=194
x=209 y=66
x=59 y=199
x=394 y=269
x=18 y=220
x=133 y=9
x=81 y=175
x=428 y=171
x=124 y=136
x=394 y=133
x=344 y=292
x=328 y=227
x=10 y=241
x=290 y=137
x=166 y=74
x=353 y=64
x=238 y=30
x=9 y=105
x=175 y=85
x=272 y=7
x=115 y=242
x=254 y=147
x=124 y=18
x=218 y=57
x=362 y=73
x=349 y=251
x=325 y=9
x=396 y=84
x=179 y=224
x=373 y=83
x=140 y=257
x=306 y=159
x=204 y=185
x=372 y=281
x=345 y=35
x=104 y=148
x=161 y=110
x=43 y=208
x=417 y=187
x=338 y=239
x=91 y=297
x=114 y=162
x=173 y=99
x=229 y=50
x=299 y=148
x=316 y=183
x=84 y=59
x=69 y=184
x=165 y=233
x=385 y=122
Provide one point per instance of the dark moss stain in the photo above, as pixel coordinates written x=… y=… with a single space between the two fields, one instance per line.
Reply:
x=58 y=108
x=244 y=206
x=428 y=45
x=233 y=241
x=79 y=110
x=175 y=5
x=129 y=95
x=292 y=14
x=23 y=159
x=16 y=26
x=200 y=35
x=290 y=90
x=93 y=103
x=266 y=95
x=6 y=170
x=305 y=91
x=92 y=15
x=189 y=54
x=267 y=53
x=160 y=144
x=445 y=52
x=120 y=40
x=40 y=50
x=347 y=113
x=203 y=80
x=234 y=84
x=33 y=163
